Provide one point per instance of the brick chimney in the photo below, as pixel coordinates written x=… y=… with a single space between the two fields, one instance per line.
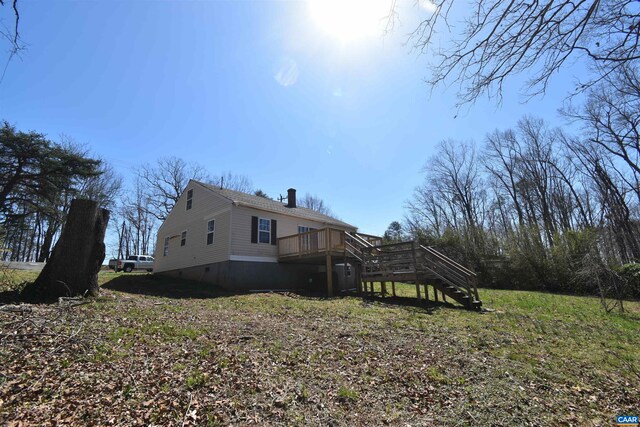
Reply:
x=291 y=198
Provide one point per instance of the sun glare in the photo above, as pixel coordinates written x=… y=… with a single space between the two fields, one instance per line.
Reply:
x=348 y=20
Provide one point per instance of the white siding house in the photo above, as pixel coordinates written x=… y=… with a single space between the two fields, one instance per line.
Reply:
x=229 y=238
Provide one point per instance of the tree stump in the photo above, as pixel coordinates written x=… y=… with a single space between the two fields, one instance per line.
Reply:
x=76 y=259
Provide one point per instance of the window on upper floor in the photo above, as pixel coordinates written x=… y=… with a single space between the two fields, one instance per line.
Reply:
x=165 y=248
x=183 y=238
x=189 y=199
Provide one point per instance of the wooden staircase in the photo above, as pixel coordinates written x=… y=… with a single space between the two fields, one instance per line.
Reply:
x=411 y=262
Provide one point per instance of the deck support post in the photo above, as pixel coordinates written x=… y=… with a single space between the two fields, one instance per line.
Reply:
x=444 y=297
x=329 y=276
x=393 y=288
x=415 y=269
x=426 y=293
x=383 y=288
x=435 y=294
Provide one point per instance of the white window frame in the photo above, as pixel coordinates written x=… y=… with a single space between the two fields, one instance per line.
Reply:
x=211 y=231
x=189 y=199
x=165 y=247
x=268 y=230
x=183 y=238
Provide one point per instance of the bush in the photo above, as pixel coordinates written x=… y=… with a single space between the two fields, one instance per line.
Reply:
x=631 y=273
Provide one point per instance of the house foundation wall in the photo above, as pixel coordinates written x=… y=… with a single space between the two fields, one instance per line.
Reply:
x=246 y=275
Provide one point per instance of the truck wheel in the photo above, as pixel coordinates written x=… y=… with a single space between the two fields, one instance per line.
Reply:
x=149 y=270
x=128 y=268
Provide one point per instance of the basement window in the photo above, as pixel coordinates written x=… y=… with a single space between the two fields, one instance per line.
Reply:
x=211 y=226
x=189 y=199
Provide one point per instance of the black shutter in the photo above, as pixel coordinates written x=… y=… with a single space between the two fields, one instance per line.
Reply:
x=254 y=229
x=274 y=232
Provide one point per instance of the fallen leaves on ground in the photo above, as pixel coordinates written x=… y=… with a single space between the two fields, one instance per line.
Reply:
x=261 y=359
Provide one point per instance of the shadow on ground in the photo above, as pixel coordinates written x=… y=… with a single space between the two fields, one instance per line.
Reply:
x=167 y=287
x=421 y=305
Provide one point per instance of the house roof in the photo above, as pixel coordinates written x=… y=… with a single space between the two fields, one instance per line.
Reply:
x=249 y=200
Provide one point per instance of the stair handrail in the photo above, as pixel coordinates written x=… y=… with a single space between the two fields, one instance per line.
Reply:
x=448 y=260
x=360 y=240
x=369 y=237
x=470 y=278
x=353 y=250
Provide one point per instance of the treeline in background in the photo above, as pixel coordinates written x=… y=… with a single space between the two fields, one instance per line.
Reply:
x=536 y=207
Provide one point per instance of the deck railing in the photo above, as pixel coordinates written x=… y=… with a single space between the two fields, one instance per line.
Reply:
x=311 y=243
x=373 y=240
x=456 y=274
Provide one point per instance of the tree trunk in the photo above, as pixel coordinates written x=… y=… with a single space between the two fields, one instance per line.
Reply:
x=45 y=249
x=76 y=259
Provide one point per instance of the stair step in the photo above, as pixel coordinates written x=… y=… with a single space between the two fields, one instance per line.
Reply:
x=430 y=268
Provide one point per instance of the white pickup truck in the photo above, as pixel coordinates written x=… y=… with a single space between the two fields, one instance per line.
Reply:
x=133 y=262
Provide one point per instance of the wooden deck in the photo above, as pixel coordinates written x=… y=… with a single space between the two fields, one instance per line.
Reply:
x=312 y=245
x=377 y=262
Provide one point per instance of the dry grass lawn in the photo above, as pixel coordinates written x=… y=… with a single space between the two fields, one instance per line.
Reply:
x=153 y=351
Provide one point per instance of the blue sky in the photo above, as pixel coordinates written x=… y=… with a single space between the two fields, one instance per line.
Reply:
x=257 y=88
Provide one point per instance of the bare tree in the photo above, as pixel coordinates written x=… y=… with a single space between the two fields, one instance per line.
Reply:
x=164 y=182
x=454 y=172
x=532 y=205
x=139 y=222
x=11 y=33
x=611 y=287
x=452 y=202
x=234 y=182
x=610 y=119
x=316 y=203
x=501 y=38
x=615 y=209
